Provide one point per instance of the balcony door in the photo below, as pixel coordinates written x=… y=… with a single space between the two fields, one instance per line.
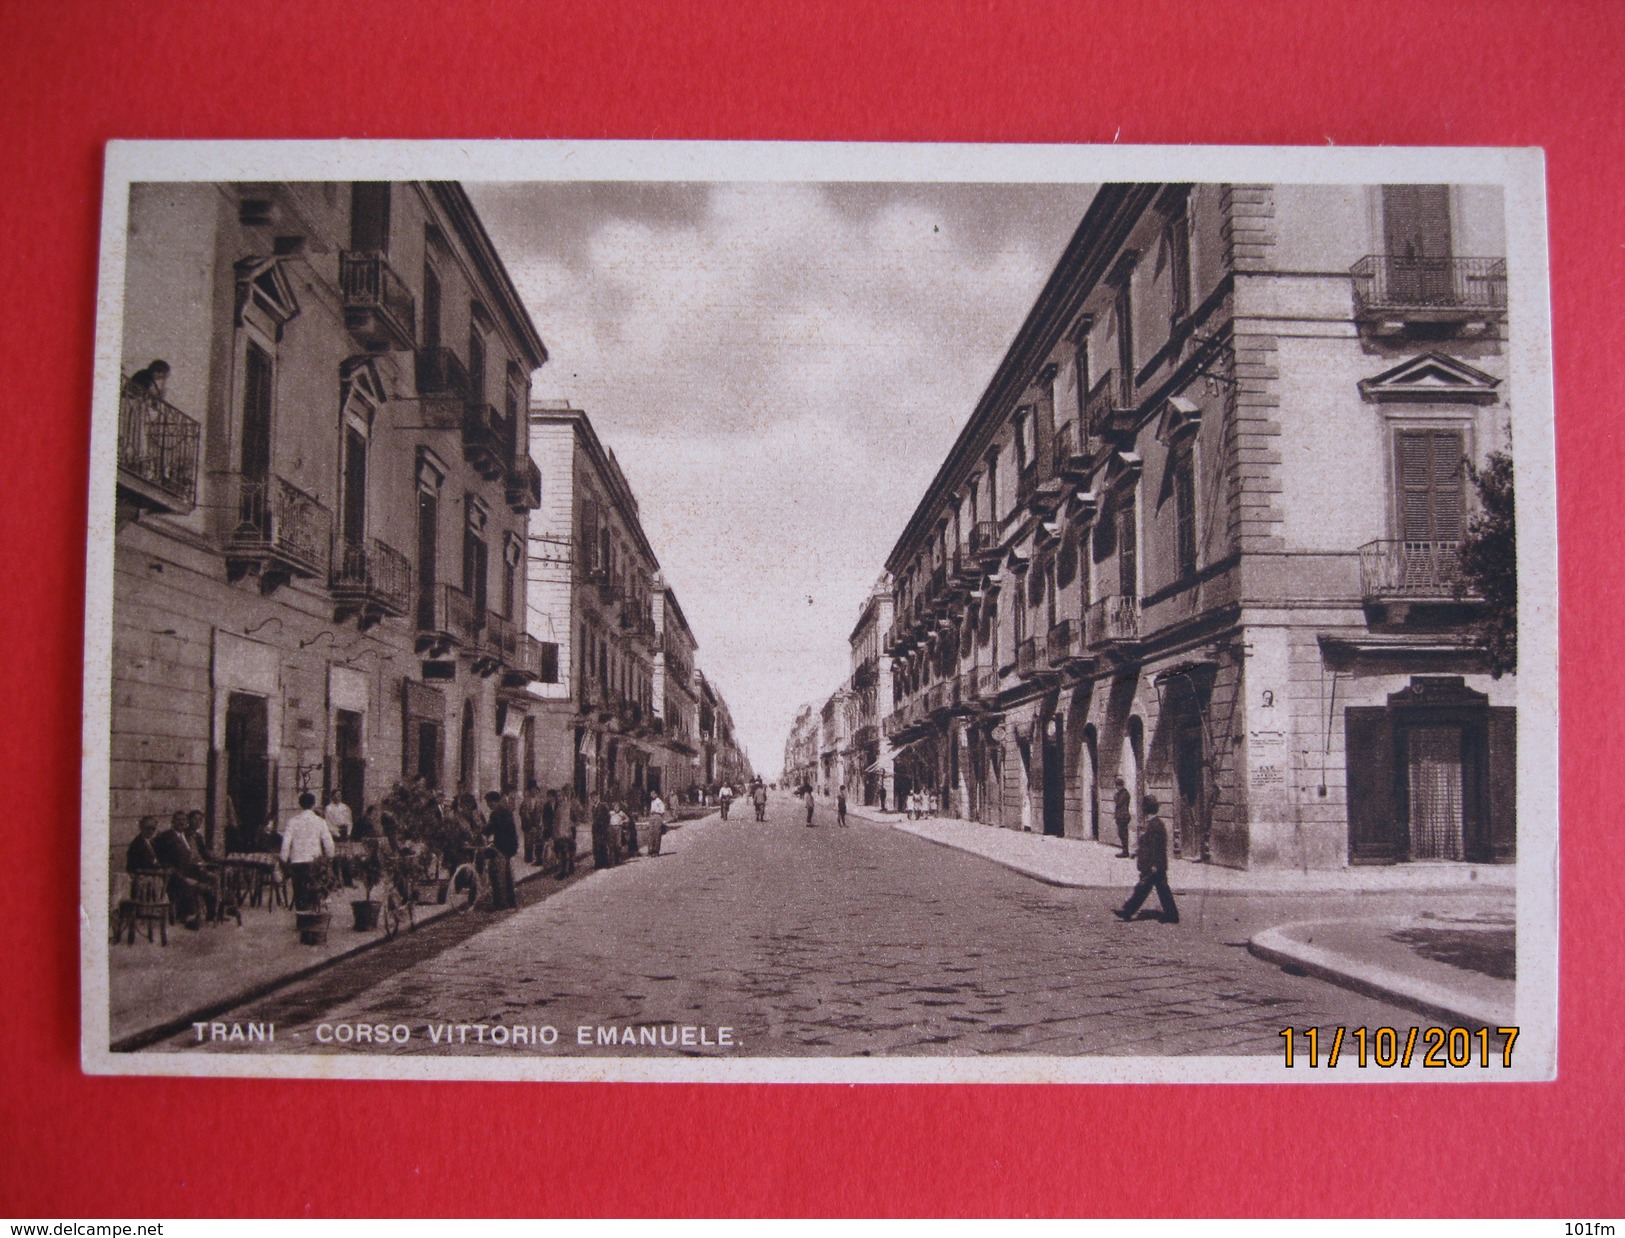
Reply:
x=1417 y=240
x=353 y=513
x=428 y=533
x=1432 y=507
x=254 y=460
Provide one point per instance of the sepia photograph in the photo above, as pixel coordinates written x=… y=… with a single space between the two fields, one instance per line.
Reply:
x=821 y=613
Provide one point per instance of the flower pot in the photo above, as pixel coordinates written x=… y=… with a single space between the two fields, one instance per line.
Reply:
x=365 y=911
x=312 y=926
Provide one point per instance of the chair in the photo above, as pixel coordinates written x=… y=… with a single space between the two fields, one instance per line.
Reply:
x=146 y=903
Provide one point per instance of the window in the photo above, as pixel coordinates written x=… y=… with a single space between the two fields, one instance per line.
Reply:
x=369 y=216
x=256 y=443
x=353 y=509
x=1177 y=238
x=993 y=512
x=512 y=556
x=1080 y=368
x=476 y=364
x=1024 y=449
x=1123 y=313
x=1431 y=492
x=476 y=558
x=1183 y=464
x=1128 y=547
x=431 y=308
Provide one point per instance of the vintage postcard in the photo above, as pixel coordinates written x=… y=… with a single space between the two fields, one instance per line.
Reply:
x=853 y=613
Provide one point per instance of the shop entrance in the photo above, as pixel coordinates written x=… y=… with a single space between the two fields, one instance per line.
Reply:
x=248 y=771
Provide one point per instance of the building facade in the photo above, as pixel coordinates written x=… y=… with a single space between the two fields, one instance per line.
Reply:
x=869 y=772
x=801 y=749
x=1201 y=533
x=677 y=710
x=322 y=502
x=593 y=592
x=834 y=741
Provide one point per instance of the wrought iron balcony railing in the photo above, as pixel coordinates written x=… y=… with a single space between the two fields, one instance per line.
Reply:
x=1400 y=570
x=1062 y=643
x=446 y=617
x=1105 y=410
x=984 y=539
x=524 y=486
x=1429 y=289
x=488 y=439
x=1113 y=622
x=276 y=529
x=440 y=371
x=157 y=454
x=1027 y=658
x=371 y=578
x=379 y=309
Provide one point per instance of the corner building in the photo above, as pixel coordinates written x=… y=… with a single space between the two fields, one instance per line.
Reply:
x=319 y=558
x=593 y=592
x=1201 y=533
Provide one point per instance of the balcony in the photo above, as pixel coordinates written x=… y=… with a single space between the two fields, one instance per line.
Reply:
x=446 y=620
x=157 y=455
x=1105 y=410
x=275 y=531
x=1063 y=646
x=488 y=440
x=524 y=486
x=379 y=309
x=969 y=690
x=985 y=542
x=525 y=666
x=1406 y=574
x=1027 y=658
x=1392 y=293
x=1113 y=624
x=1071 y=456
x=440 y=371
x=495 y=644
x=943 y=697
x=987 y=684
x=370 y=579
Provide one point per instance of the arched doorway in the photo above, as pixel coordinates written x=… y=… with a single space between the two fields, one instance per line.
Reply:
x=1089 y=783
x=1133 y=775
x=1024 y=771
x=1055 y=776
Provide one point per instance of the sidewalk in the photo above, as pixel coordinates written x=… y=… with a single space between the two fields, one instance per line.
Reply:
x=1458 y=970
x=157 y=991
x=1085 y=863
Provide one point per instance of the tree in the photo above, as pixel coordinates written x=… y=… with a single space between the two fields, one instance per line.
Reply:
x=1489 y=561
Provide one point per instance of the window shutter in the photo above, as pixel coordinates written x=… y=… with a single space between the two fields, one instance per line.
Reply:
x=1185 y=507
x=1429 y=469
x=1503 y=784
x=1369 y=750
x=1128 y=568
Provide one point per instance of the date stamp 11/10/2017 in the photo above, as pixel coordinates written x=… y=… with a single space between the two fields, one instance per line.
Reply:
x=1441 y=1048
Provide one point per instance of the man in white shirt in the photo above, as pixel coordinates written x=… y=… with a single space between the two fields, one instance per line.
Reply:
x=305 y=840
x=657 y=823
x=339 y=819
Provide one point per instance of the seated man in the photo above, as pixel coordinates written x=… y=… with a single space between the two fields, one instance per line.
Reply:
x=190 y=884
x=142 y=857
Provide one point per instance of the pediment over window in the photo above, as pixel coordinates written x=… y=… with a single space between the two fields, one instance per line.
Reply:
x=1179 y=417
x=264 y=289
x=1123 y=469
x=359 y=377
x=1432 y=378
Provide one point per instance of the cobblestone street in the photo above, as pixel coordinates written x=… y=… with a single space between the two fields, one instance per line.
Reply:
x=828 y=941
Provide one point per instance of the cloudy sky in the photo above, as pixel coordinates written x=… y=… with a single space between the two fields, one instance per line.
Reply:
x=780 y=369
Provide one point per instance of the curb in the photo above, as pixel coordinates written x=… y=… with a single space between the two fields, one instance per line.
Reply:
x=1433 y=1000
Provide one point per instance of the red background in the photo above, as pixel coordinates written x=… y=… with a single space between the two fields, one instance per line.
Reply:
x=1263 y=71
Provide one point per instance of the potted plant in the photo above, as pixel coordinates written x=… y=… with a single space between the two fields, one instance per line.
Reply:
x=369 y=869
x=312 y=922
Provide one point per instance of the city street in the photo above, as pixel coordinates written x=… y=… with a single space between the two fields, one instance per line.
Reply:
x=822 y=941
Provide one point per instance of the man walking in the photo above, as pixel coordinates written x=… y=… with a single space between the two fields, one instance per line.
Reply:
x=1153 y=865
x=806 y=793
x=505 y=838
x=758 y=797
x=1121 y=803
x=840 y=807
